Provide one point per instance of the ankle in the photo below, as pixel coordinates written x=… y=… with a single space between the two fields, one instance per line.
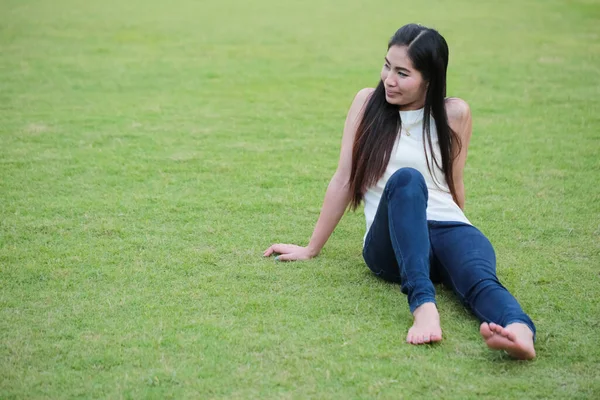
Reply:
x=429 y=307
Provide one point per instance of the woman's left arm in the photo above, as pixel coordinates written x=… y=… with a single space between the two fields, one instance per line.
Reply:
x=459 y=119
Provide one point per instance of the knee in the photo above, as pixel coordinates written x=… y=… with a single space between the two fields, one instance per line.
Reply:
x=406 y=181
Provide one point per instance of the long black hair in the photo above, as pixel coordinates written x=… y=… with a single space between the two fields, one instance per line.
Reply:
x=380 y=124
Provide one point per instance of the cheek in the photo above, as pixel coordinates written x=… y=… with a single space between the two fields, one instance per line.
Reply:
x=409 y=85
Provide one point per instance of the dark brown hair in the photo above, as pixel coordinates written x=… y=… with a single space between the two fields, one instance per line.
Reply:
x=380 y=123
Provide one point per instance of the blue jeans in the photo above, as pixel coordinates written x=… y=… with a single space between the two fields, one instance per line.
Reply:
x=403 y=246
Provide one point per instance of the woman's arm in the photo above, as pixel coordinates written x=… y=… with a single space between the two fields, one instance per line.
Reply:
x=459 y=118
x=337 y=196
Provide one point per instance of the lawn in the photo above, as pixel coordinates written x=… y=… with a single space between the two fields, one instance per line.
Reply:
x=151 y=150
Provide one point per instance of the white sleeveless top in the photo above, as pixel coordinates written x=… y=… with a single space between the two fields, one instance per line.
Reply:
x=408 y=152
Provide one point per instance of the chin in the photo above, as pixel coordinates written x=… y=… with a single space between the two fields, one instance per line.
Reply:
x=393 y=100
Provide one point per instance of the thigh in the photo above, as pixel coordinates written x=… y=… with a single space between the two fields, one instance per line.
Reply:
x=465 y=257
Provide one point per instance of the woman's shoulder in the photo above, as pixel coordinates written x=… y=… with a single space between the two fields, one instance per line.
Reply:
x=459 y=117
x=457 y=110
x=363 y=95
x=360 y=99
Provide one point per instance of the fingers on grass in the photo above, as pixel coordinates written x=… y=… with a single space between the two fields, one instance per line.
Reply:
x=280 y=248
x=276 y=248
x=285 y=257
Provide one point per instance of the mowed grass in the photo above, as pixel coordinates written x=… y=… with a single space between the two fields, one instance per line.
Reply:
x=150 y=151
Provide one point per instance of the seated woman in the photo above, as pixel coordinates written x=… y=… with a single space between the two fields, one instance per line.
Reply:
x=403 y=153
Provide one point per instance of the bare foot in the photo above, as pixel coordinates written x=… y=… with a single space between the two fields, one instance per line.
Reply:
x=516 y=339
x=426 y=327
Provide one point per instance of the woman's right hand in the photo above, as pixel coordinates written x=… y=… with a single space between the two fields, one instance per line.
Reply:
x=338 y=193
x=290 y=252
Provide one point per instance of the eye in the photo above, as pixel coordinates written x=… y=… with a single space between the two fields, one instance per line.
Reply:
x=402 y=74
x=386 y=66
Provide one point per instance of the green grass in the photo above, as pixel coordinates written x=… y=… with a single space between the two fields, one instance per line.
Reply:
x=150 y=151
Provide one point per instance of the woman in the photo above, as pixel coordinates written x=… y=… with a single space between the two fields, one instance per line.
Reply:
x=403 y=153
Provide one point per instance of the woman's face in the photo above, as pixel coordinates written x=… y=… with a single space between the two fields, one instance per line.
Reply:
x=404 y=85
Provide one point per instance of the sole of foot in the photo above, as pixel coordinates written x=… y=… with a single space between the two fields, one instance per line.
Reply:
x=516 y=339
x=426 y=326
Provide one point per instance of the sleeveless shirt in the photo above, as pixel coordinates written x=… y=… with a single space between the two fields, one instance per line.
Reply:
x=408 y=151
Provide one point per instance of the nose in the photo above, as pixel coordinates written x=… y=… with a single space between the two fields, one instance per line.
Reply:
x=390 y=79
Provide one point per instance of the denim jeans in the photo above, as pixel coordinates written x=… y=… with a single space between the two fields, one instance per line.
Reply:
x=402 y=246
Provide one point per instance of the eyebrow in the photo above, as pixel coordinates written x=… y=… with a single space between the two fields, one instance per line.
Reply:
x=396 y=68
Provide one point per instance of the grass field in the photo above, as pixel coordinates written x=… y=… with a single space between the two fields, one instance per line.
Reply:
x=151 y=150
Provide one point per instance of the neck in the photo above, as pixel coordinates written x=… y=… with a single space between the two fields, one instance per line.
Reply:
x=411 y=106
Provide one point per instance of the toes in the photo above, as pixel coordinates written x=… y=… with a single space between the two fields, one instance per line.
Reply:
x=506 y=333
x=496 y=328
x=420 y=338
x=433 y=337
x=509 y=335
x=485 y=330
